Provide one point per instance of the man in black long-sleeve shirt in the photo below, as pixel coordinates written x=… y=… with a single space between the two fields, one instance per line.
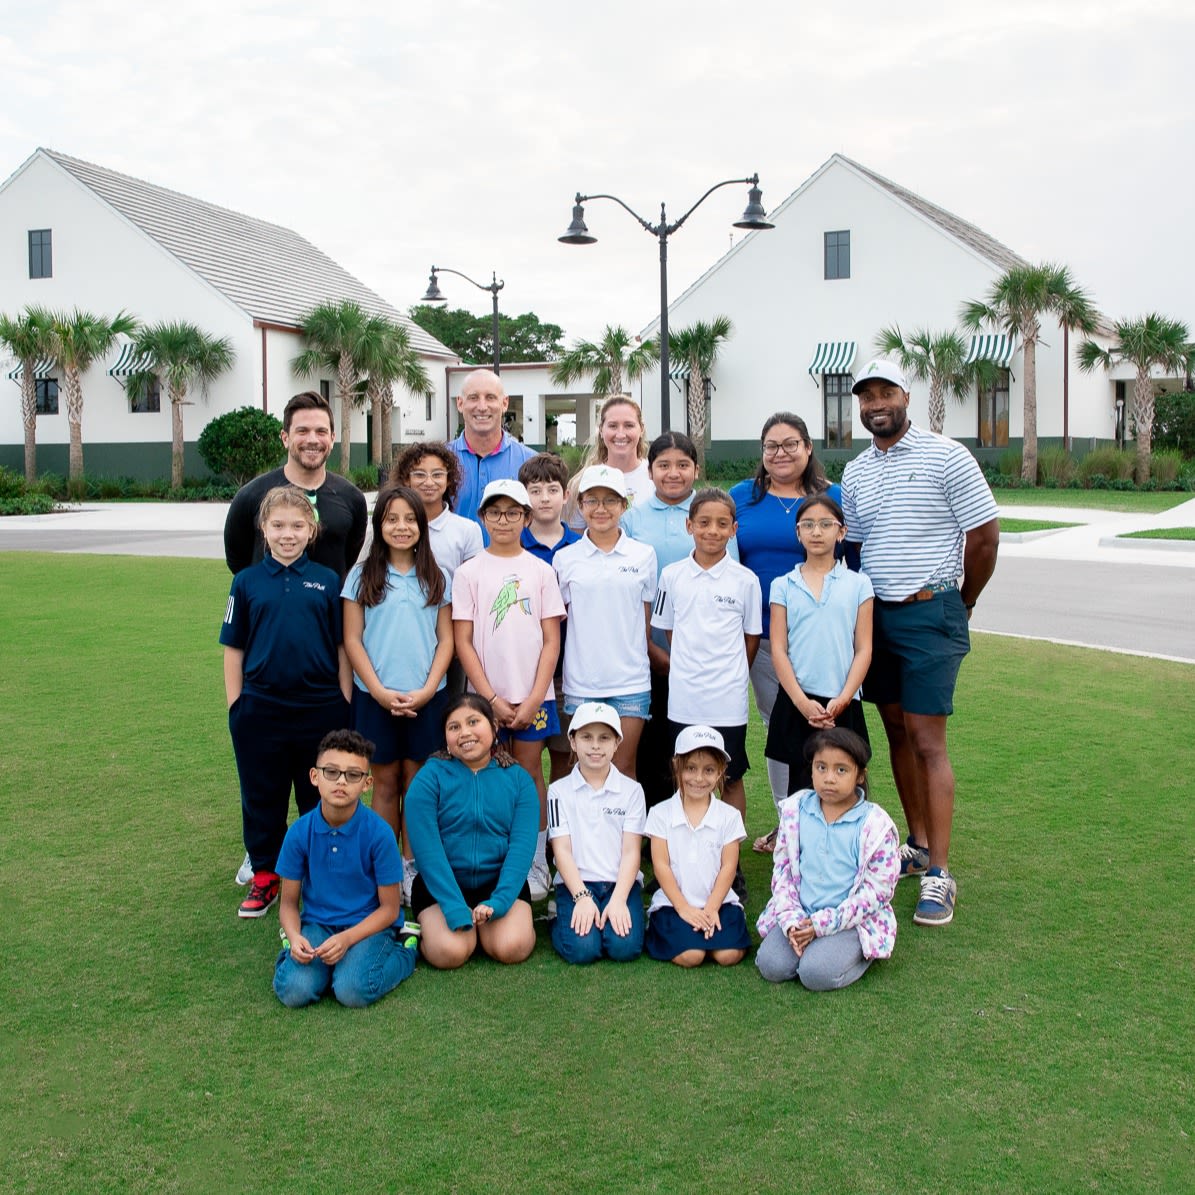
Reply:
x=309 y=433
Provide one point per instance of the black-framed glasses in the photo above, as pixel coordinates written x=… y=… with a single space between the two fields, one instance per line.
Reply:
x=818 y=524
x=511 y=514
x=614 y=503
x=352 y=775
x=789 y=447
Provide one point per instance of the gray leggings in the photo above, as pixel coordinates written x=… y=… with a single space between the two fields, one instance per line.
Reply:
x=828 y=963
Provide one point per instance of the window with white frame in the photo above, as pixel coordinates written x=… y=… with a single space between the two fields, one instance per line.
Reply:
x=838 y=401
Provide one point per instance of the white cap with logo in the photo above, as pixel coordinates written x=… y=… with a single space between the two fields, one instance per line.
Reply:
x=603 y=477
x=884 y=369
x=589 y=713
x=505 y=487
x=700 y=738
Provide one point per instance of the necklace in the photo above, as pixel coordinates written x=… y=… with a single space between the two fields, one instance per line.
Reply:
x=791 y=506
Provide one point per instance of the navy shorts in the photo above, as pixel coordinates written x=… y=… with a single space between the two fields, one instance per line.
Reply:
x=395 y=738
x=669 y=934
x=421 y=897
x=735 y=738
x=544 y=725
x=917 y=650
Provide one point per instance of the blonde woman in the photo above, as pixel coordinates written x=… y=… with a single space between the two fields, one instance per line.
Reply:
x=620 y=441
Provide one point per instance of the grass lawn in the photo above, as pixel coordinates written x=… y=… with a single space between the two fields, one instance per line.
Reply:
x=1161 y=533
x=1043 y=1042
x=1122 y=500
x=1020 y=525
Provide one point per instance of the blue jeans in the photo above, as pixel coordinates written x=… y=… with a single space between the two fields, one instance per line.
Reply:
x=598 y=943
x=369 y=969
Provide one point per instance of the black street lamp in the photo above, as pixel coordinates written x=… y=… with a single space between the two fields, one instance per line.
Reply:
x=434 y=296
x=754 y=217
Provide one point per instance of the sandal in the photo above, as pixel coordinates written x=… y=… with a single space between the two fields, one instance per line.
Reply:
x=765 y=844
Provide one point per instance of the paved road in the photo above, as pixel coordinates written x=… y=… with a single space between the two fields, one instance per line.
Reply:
x=1142 y=608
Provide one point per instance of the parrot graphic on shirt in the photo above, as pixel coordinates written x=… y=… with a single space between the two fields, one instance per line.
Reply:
x=508 y=599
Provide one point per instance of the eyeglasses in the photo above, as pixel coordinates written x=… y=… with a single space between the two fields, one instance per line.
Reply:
x=352 y=775
x=510 y=514
x=818 y=524
x=788 y=447
x=434 y=475
x=614 y=503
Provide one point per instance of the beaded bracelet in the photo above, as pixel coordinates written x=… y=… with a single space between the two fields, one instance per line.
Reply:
x=582 y=894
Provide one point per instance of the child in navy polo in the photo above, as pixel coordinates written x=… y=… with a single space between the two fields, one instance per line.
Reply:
x=341 y=858
x=545 y=476
x=286 y=678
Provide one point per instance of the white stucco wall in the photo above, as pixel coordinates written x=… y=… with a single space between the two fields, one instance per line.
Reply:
x=905 y=270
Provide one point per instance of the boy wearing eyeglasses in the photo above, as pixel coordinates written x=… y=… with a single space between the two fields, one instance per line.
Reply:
x=341 y=862
x=506 y=611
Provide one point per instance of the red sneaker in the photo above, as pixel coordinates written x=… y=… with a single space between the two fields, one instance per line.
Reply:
x=263 y=893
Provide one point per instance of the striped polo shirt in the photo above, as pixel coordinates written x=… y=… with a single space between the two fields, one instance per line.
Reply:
x=911 y=508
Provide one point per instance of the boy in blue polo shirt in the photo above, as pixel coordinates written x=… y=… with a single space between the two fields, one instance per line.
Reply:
x=286 y=679
x=343 y=860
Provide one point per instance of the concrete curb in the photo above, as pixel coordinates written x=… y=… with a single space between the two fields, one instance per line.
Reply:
x=1026 y=537
x=1152 y=545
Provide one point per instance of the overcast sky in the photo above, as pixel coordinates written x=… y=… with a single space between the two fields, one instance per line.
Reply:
x=394 y=135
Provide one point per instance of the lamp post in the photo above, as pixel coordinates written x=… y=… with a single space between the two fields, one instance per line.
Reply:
x=434 y=296
x=754 y=217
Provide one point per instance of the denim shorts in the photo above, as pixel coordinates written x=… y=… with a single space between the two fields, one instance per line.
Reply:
x=628 y=705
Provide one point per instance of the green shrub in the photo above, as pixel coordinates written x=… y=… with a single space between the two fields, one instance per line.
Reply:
x=1174 y=422
x=53 y=484
x=1011 y=462
x=242 y=443
x=1165 y=466
x=1108 y=462
x=27 y=504
x=12 y=484
x=1055 y=467
x=731 y=469
x=365 y=478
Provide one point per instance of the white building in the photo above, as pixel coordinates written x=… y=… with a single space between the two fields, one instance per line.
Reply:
x=850 y=254
x=77 y=235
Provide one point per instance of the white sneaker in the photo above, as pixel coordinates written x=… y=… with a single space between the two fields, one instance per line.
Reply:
x=409 y=872
x=245 y=871
x=539 y=879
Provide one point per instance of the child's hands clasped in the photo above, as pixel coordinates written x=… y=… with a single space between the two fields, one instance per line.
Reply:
x=482 y=914
x=332 y=950
x=800 y=935
x=300 y=949
x=815 y=713
x=702 y=920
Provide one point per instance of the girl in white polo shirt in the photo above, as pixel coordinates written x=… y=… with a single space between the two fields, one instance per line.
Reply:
x=821 y=642
x=695 y=852
x=607 y=581
x=595 y=823
x=709 y=605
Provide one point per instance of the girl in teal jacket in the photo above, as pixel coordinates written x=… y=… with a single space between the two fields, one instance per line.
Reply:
x=472 y=815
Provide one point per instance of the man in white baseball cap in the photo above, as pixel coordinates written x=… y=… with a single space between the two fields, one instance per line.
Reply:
x=926 y=519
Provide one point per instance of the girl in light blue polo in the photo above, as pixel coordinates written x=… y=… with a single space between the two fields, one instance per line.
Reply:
x=398 y=637
x=821 y=611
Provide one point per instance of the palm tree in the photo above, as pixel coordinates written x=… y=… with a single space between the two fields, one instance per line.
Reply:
x=939 y=358
x=184 y=358
x=1153 y=341
x=698 y=345
x=617 y=358
x=1015 y=303
x=337 y=335
x=77 y=338
x=28 y=339
x=390 y=359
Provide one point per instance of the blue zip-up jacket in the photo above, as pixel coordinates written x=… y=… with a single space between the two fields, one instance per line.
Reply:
x=472 y=829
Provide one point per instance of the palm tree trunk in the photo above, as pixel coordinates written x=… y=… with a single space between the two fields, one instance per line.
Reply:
x=344 y=384
x=937 y=404
x=696 y=396
x=387 y=428
x=375 y=421
x=1143 y=418
x=176 y=437
x=1029 y=451
x=74 y=418
x=29 y=418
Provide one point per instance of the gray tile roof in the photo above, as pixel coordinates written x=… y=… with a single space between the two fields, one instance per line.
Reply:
x=997 y=253
x=271 y=273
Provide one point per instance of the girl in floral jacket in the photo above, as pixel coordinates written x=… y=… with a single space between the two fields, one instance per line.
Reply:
x=836 y=866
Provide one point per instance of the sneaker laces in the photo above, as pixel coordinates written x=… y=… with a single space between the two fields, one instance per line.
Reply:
x=261 y=888
x=936 y=889
x=910 y=853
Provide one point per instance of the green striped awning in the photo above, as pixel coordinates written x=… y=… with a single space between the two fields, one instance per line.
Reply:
x=997 y=349
x=833 y=356
x=679 y=372
x=130 y=361
x=42 y=370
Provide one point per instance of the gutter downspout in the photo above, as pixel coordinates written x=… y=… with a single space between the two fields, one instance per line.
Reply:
x=264 y=371
x=1066 y=381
